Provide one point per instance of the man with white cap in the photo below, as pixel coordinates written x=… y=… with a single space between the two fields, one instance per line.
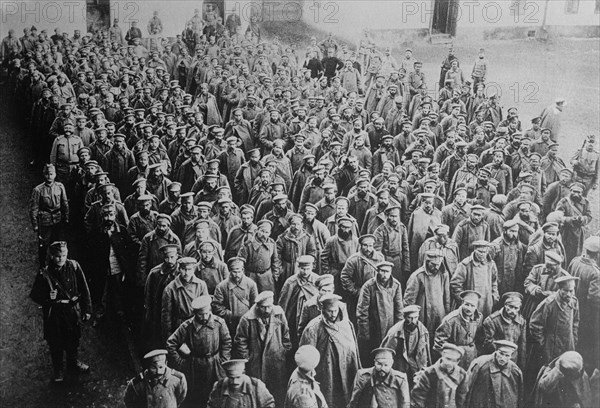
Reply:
x=333 y=335
x=150 y=255
x=178 y=296
x=422 y=222
x=477 y=272
x=303 y=390
x=541 y=282
x=587 y=268
x=312 y=307
x=550 y=241
x=263 y=338
x=461 y=327
x=577 y=215
x=296 y=291
x=235 y=296
x=508 y=254
x=263 y=264
x=507 y=324
x=554 y=325
x=379 y=308
x=409 y=338
x=391 y=239
x=429 y=288
x=209 y=268
x=158 y=386
x=495 y=380
x=239 y=390
x=380 y=385
x=564 y=383
x=443 y=384
x=198 y=347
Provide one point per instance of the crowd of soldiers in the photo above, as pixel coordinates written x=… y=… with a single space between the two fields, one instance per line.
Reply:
x=269 y=224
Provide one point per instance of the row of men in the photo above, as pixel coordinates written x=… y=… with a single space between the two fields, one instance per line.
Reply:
x=320 y=200
x=201 y=350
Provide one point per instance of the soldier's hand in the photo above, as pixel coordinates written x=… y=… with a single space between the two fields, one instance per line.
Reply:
x=86 y=317
x=53 y=294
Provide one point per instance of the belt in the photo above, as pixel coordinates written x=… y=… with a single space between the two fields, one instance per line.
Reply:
x=205 y=355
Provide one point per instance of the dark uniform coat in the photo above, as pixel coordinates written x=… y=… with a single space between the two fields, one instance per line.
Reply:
x=392 y=391
x=491 y=385
x=435 y=388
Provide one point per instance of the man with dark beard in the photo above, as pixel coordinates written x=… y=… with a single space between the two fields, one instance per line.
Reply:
x=348 y=175
x=246 y=175
x=333 y=335
x=495 y=380
x=577 y=215
x=157 y=183
x=241 y=233
x=409 y=338
x=509 y=255
x=507 y=324
x=191 y=170
x=451 y=164
x=465 y=175
x=299 y=183
x=380 y=385
x=338 y=249
x=481 y=190
x=312 y=189
x=150 y=255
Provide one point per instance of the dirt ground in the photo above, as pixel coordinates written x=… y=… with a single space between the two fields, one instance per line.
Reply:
x=540 y=72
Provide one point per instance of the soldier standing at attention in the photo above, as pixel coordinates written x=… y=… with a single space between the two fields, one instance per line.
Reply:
x=62 y=291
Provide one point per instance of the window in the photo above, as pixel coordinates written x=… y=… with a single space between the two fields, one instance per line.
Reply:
x=571 y=6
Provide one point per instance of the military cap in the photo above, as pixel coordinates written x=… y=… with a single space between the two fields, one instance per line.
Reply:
x=329 y=298
x=305 y=260
x=264 y=222
x=344 y=221
x=312 y=206
x=592 y=244
x=342 y=198
x=58 y=245
x=427 y=195
x=550 y=227
x=478 y=207
x=174 y=186
x=552 y=258
x=362 y=180
x=234 y=367
x=411 y=309
x=202 y=303
x=324 y=280
x=188 y=260
x=552 y=144
x=449 y=347
x=566 y=170
x=169 y=248
x=460 y=143
x=383 y=353
x=164 y=217
x=155 y=166
x=565 y=278
x=307 y=357
x=84 y=149
x=155 y=353
x=430 y=182
x=510 y=223
x=434 y=256
x=366 y=237
x=390 y=208
x=512 y=298
x=442 y=229
x=385 y=137
x=187 y=195
x=236 y=263
x=280 y=197
x=381 y=191
x=384 y=265
x=481 y=243
x=577 y=186
x=470 y=294
x=119 y=136
x=505 y=344
x=144 y=197
x=264 y=297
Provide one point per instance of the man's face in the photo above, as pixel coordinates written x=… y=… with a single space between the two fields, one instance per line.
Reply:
x=158 y=366
x=384 y=275
x=304 y=271
x=50 y=175
x=265 y=308
x=469 y=306
x=393 y=217
x=502 y=356
x=207 y=253
x=383 y=367
x=109 y=217
x=442 y=238
x=480 y=253
x=264 y=231
x=576 y=194
x=296 y=225
x=341 y=208
x=162 y=227
x=524 y=211
x=331 y=311
x=428 y=204
x=170 y=258
x=550 y=236
x=187 y=271
x=567 y=291
x=449 y=361
x=236 y=274
x=476 y=216
x=565 y=177
x=512 y=310
x=59 y=257
x=512 y=233
x=498 y=158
